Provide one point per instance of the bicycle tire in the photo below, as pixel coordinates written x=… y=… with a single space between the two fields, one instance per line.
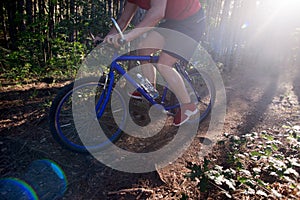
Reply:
x=204 y=91
x=61 y=121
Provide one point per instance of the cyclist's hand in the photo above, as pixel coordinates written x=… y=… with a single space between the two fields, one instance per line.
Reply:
x=97 y=40
x=113 y=40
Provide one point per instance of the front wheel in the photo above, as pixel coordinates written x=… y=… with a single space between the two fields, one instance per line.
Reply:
x=79 y=130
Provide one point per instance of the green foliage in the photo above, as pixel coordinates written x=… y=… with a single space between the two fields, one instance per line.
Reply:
x=38 y=56
x=199 y=172
x=21 y=65
x=66 y=58
x=55 y=41
x=259 y=164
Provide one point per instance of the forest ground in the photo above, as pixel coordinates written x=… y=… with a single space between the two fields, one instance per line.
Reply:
x=260 y=96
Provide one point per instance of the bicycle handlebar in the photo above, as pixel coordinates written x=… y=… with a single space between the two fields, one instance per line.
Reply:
x=118 y=28
x=121 y=41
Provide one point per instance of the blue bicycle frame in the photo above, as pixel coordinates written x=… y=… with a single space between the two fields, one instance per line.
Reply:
x=104 y=98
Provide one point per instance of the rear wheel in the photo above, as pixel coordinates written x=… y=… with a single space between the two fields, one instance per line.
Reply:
x=201 y=90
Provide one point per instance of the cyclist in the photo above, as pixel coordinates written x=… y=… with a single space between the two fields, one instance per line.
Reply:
x=185 y=16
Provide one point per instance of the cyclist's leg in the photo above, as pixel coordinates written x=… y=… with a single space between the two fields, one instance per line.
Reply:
x=172 y=77
x=155 y=40
x=176 y=84
x=174 y=80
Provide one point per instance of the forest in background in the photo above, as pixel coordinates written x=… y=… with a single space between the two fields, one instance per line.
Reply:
x=51 y=37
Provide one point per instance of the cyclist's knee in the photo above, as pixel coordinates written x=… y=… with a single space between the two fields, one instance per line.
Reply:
x=152 y=39
x=144 y=51
x=166 y=59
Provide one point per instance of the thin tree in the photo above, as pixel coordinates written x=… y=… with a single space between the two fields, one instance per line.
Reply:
x=12 y=26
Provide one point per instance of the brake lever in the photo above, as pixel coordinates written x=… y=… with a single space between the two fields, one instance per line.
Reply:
x=93 y=38
x=118 y=28
x=92 y=35
x=122 y=40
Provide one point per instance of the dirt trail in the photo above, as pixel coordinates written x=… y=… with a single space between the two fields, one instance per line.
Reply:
x=258 y=97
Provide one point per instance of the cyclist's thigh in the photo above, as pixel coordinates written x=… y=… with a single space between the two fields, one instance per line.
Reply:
x=150 y=42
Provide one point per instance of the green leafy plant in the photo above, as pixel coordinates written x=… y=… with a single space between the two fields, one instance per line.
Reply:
x=259 y=164
x=199 y=173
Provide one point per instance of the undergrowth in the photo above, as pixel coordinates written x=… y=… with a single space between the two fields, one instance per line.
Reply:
x=262 y=165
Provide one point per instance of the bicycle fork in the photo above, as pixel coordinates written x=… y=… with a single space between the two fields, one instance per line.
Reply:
x=103 y=101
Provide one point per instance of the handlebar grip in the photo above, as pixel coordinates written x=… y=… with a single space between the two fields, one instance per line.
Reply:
x=121 y=41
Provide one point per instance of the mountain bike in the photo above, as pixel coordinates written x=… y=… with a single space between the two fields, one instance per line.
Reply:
x=110 y=109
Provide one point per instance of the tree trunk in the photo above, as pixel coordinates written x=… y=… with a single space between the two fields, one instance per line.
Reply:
x=35 y=10
x=56 y=14
x=12 y=26
x=109 y=8
x=3 y=23
x=41 y=29
x=41 y=11
x=67 y=9
x=122 y=3
x=93 y=9
x=29 y=14
x=50 y=27
x=20 y=8
x=72 y=20
x=51 y=18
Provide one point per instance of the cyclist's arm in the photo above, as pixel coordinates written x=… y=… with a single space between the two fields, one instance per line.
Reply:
x=151 y=19
x=124 y=20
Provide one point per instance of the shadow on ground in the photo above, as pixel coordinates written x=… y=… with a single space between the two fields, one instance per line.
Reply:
x=250 y=92
x=296 y=83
